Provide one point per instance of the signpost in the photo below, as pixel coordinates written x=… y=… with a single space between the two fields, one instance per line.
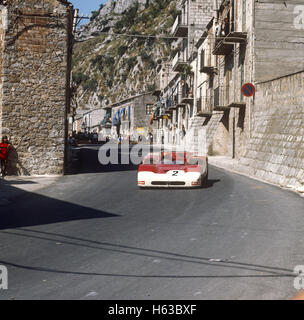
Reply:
x=248 y=89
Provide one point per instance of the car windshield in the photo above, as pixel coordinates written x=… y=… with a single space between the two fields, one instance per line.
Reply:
x=173 y=158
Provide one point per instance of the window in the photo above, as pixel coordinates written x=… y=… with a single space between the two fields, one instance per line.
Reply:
x=191 y=111
x=202 y=58
x=149 y=109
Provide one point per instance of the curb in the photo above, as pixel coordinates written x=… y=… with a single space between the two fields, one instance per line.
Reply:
x=232 y=168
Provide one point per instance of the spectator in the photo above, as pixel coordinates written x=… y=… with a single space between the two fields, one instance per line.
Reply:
x=5 y=147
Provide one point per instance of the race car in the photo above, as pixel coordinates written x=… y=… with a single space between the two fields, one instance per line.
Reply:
x=172 y=169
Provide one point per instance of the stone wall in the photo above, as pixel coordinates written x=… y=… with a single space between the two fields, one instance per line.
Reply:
x=3 y=27
x=36 y=62
x=278 y=39
x=275 y=150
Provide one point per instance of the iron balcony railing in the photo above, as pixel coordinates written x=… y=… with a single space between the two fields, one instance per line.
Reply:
x=180 y=26
x=227 y=97
x=205 y=105
x=179 y=61
x=206 y=62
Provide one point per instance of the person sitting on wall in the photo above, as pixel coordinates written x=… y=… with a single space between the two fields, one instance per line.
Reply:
x=5 y=147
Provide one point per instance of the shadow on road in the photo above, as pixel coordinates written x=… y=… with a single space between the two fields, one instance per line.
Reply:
x=16 y=182
x=260 y=271
x=88 y=163
x=35 y=209
x=210 y=182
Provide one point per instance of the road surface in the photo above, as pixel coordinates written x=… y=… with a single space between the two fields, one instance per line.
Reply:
x=95 y=235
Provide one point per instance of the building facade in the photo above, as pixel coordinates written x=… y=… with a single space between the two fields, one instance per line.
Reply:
x=35 y=62
x=177 y=99
x=229 y=44
x=132 y=118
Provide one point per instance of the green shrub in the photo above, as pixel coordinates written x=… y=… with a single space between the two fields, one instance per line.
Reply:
x=90 y=85
x=94 y=15
x=109 y=83
x=174 y=13
x=131 y=63
x=157 y=6
x=98 y=62
x=124 y=76
x=128 y=17
x=121 y=50
x=173 y=52
x=79 y=77
x=145 y=56
x=108 y=61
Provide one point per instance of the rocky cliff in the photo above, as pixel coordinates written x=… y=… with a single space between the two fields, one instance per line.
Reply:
x=118 y=53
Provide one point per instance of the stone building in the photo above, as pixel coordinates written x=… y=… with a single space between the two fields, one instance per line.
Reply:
x=178 y=97
x=35 y=64
x=248 y=41
x=243 y=41
x=131 y=117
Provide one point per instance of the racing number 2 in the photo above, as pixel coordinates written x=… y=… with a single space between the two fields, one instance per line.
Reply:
x=175 y=173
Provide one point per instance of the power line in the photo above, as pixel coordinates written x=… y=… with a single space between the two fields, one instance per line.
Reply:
x=146 y=36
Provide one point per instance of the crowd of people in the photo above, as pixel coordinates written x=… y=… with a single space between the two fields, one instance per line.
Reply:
x=76 y=137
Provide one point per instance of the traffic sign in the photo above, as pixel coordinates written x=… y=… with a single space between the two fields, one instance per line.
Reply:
x=248 y=89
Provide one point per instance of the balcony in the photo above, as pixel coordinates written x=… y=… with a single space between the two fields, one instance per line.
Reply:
x=179 y=103
x=221 y=99
x=225 y=98
x=187 y=94
x=222 y=47
x=205 y=66
x=205 y=106
x=174 y=102
x=237 y=103
x=180 y=27
x=179 y=62
x=227 y=36
x=236 y=37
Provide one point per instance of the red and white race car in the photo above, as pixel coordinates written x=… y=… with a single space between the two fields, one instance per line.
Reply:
x=172 y=169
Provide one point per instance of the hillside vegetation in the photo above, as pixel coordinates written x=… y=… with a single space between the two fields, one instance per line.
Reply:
x=109 y=67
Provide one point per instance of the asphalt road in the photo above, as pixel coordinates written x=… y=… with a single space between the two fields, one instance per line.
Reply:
x=95 y=235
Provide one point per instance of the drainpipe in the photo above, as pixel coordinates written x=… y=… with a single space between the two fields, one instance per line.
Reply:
x=234 y=80
x=195 y=85
x=252 y=64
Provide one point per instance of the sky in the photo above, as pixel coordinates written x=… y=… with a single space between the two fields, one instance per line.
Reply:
x=87 y=6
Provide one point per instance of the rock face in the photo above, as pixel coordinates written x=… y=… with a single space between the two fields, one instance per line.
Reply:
x=35 y=63
x=109 y=66
x=119 y=6
x=106 y=17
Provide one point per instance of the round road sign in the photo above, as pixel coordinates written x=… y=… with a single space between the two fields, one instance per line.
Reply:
x=248 y=89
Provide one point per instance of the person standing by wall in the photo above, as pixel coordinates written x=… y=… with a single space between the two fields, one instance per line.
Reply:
x=5 y=147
